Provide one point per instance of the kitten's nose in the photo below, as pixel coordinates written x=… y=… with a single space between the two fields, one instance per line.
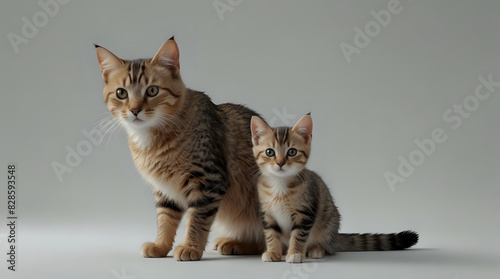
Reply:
x=281 y=164
x=135 y=111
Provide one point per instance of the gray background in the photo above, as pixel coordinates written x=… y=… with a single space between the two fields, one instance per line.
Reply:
x=277 y=57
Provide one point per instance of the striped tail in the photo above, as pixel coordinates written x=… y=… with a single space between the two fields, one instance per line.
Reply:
x=375 y=242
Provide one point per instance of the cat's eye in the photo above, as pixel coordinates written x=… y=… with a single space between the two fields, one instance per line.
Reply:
x=152 y=91
x=269 y=152
x=121 y=93
x=292 y=152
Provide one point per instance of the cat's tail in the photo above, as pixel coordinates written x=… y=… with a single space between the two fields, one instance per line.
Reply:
x=375 y=242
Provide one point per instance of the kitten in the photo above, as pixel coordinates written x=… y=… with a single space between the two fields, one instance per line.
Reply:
x=297 y=209
x=196 y=155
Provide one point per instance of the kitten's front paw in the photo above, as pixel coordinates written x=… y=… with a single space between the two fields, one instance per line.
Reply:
x=316 y=253
x=271 y=257
x=295 y=258
x=184 y=253
x=153 y=250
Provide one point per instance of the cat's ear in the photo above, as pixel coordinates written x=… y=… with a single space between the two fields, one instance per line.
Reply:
x=107 y=61
x=304 y=127
x=259 y=129
x=168 y=56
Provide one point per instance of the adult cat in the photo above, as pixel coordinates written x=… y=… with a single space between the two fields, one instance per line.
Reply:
x=196 y=155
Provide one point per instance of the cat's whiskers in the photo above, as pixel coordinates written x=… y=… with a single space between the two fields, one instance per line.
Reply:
x=256 y=174
x=176 y=119
x=102 y=123
x=114 y=127
x=107 y=125
x=105 y=112
x=166 y=121
x=162 y=124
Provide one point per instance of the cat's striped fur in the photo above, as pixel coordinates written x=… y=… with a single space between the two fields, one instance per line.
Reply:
x=196 y=155
x=298 y=211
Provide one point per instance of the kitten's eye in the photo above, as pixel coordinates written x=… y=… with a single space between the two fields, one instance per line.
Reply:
x=121 y=93
x=152 y=91
x=292 y=152
x=269 y=152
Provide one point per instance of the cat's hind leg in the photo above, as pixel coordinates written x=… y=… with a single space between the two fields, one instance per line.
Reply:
x=239 y=238
x=230 y=246
x=315 y=251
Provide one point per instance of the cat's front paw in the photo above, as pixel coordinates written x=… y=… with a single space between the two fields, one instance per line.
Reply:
x=271 y=257
x=295 y=258
x=185 y=253
x=153 y=250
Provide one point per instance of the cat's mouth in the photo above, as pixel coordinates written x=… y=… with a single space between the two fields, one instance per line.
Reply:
x=280 y=172
x=137 y=122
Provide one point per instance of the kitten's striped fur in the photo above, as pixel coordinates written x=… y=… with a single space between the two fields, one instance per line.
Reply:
x=298 y=212
x=196 y=155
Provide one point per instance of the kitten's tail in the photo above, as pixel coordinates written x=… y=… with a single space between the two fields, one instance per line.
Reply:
x=375 y=242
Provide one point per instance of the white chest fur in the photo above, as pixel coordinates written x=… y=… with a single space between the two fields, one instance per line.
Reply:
x=279 y=185
x=166 y=188
x=282 y=215
x=140 y=136
x=277 y=204
x=142 y=140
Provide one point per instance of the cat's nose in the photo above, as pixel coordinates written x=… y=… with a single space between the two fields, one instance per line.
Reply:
x=281 y=164
x=135 y=111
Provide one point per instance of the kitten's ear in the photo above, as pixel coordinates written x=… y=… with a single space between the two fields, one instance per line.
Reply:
x=168 y=56
x=304 y=128
x=108 y=61
x=259 y=128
